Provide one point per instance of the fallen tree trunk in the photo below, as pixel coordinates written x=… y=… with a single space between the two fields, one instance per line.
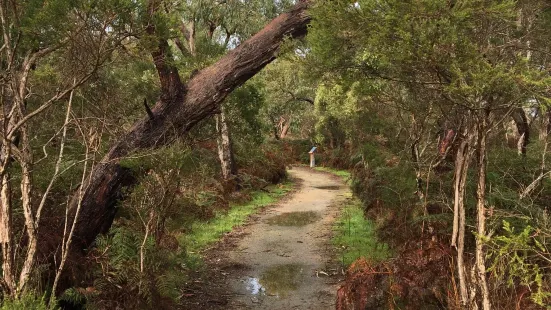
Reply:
x=180 y=108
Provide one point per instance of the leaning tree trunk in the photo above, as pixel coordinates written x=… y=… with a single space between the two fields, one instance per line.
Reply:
x=285 y=128
x=225 y=149
x=179 y=109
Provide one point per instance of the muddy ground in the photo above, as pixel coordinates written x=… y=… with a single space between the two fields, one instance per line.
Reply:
x=282 y=259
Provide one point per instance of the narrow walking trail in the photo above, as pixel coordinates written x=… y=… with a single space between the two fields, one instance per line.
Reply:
x=284 y=255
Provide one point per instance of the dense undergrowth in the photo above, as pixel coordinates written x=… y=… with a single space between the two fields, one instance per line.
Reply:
x=413 y=215
x=177 y=211
x=422 y=272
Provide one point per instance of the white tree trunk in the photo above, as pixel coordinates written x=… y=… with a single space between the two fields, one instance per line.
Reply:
x=481 y=213
x=521 y=145
x=225 y=152
x=6 y=235
x=26 y=194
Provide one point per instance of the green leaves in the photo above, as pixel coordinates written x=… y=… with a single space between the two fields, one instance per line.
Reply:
x=515 y=255
x=43 y=21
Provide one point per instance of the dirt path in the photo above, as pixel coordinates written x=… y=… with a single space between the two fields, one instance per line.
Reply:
x=283 y=258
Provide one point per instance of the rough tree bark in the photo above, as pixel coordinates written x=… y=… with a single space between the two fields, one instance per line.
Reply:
x=462 y=162
x=179 y=108
x=481 y=211
x=6 y=235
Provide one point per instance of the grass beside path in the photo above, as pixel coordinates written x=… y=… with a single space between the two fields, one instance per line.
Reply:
x=203 y=234
x=354 y=235
x=345 y=175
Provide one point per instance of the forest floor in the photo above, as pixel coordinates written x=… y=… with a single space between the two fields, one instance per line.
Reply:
x=282 y=259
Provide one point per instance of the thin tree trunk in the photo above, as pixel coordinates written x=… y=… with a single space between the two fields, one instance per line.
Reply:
x=523 y=130
x=275 y=127
x=473 y=289
x=6 y=235
x=280 y=125
x=30 y=225
x=179 y=109
x=225 y=149
x=6 y=229
x=521 y=145
x=459 y=188
x=70 y=225
x=481 y=212
x=285 y=128
x=64 y=252
x=546 y=126
x=147 y=227
x=26 y=162
x=543 y=167
x=519 y=116
x=191 y=39
x=462 y=162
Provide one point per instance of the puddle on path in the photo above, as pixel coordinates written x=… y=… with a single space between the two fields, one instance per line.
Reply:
x=279 y=280
x=254 y=287
x=328 y=187
x=294 y=218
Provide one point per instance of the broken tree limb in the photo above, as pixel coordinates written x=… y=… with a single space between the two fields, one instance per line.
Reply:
x=298 y=98
x=530 y=188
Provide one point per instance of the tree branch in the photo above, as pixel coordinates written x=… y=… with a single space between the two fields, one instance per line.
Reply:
x=171 y=85
x=309 y=100
x=530 y=188
x=47 y=104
